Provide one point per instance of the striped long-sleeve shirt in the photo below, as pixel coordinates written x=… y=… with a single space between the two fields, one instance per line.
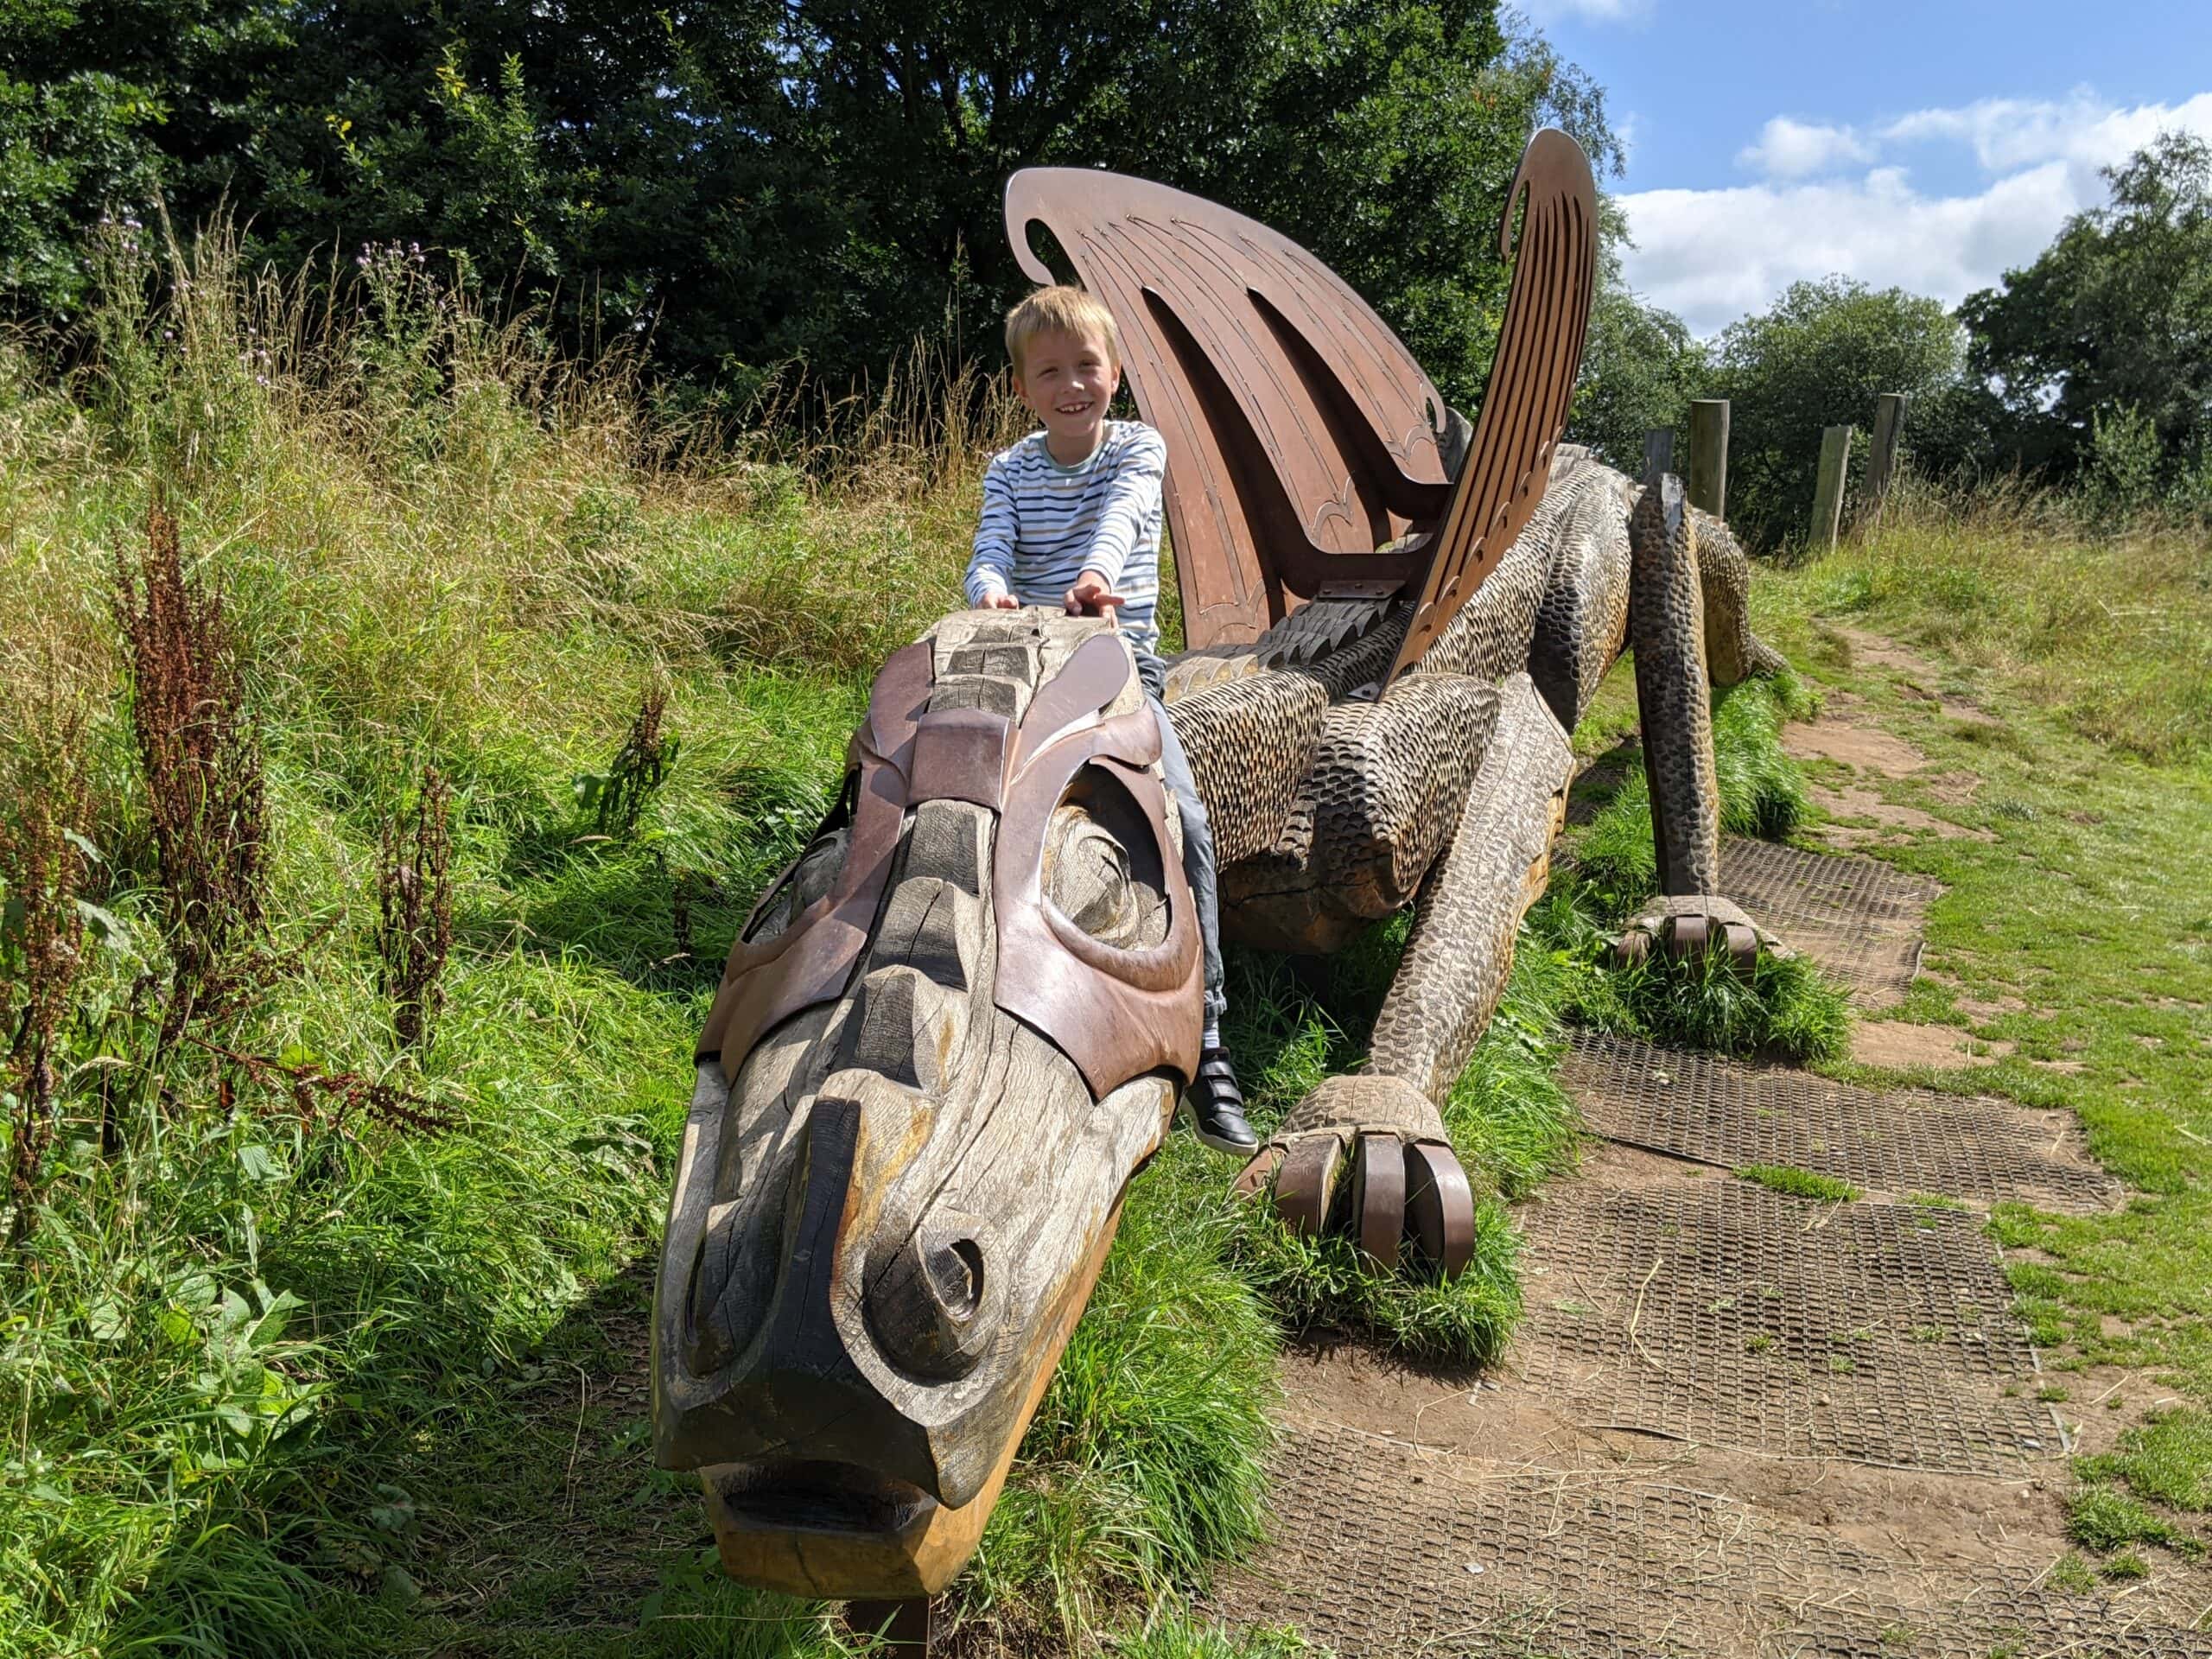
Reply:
x=1044 y=525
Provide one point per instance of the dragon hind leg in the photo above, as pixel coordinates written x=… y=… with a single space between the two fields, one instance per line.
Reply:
x=1368 y=1155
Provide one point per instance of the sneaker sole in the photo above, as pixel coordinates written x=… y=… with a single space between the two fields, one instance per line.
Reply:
x=1219 y=1143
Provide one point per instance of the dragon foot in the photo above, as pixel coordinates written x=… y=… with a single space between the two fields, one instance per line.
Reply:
x=1367 y=1156
x=1686 y=924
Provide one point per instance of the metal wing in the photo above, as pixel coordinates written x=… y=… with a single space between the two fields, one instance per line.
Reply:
x=1531 y=382
x=1305 y=448
x=1302 y=437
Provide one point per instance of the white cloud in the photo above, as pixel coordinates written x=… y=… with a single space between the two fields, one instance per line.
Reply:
x=1790 y=149
x=1712 y=255
x=1595 y=11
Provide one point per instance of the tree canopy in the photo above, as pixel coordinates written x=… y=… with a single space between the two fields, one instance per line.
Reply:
x=749 y=183
x=2112 y=322
x=1820 y=356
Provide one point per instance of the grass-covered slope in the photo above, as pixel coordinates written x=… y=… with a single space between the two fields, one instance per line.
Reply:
x=313 y=1337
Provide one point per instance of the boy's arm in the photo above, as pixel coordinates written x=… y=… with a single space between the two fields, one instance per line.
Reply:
x=1139 y=475
x=990 y=568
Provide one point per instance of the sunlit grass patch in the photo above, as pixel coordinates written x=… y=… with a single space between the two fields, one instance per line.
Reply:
x=2113 y=630
x=2167 y=1459
x=1798 y=1183
x=2101 y=1518
x=1783 y=1007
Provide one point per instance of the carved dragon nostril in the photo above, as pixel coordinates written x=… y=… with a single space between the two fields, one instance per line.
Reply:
x=956 y=1275
x=926 y=1306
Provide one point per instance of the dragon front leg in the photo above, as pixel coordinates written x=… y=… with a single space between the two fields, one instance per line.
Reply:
x=1668 y=627
x=1369 y=1153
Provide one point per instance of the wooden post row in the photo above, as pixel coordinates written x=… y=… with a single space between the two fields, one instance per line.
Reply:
x=1882 y=457
x=1658 y=451
x=1827 y=497
x=1708 y=479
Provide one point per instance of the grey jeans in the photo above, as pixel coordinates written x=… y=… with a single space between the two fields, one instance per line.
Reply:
x=1197 y=834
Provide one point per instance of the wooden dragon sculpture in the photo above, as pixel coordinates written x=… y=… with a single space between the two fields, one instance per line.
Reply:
x=958 y=1024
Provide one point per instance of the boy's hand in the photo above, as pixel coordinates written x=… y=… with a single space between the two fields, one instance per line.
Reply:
x=1093 y=595
x=999 y=601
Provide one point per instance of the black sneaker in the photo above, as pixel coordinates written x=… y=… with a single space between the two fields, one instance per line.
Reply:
x=1217 y=1106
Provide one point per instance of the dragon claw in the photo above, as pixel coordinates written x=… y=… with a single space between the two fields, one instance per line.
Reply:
x=1691 y=925
x=1402 y=1201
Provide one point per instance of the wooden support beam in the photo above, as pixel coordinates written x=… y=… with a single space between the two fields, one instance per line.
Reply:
x=1658 y=451
x=906 y=1629
x=1709 y=479
x=1882 y=457
x=1827 y=497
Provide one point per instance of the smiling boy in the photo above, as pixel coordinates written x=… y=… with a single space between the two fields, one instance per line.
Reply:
x=1071 y=517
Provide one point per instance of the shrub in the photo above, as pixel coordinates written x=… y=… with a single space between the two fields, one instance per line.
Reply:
x=415 y=911
x=201 y=756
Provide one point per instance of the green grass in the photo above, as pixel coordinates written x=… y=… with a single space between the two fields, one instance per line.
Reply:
x=2099 y=1518
x=1509 y=1121
x=2167 y=1459
x=1177 y=1637
x=2062 y=707
x=1798 y=1183
x=1784 y=1008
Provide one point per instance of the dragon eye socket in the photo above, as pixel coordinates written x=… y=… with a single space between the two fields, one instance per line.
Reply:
x=1103 y=863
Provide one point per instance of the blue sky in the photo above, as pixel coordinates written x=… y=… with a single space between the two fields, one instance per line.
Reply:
x=1930 y=145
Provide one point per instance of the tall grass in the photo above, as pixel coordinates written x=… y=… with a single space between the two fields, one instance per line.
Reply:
x=249 y=1310
x=2111 y=624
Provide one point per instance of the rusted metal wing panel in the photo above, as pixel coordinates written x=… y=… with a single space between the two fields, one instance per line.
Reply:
x=1531 y=382
x=1301 y=436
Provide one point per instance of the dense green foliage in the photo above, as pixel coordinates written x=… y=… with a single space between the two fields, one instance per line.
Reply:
x=752 y=184
x=2100 y=352
x=1640 y=369
x=1820 y=356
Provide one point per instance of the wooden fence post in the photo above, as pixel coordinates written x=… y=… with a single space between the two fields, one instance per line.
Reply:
x=1827 y=497
x=1709 y=455
x=1658 y=451
x=1882 y=457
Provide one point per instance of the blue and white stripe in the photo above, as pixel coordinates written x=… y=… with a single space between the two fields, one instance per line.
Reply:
x=1044 y=525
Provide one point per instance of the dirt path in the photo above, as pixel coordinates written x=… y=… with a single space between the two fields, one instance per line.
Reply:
x=1736 y=1421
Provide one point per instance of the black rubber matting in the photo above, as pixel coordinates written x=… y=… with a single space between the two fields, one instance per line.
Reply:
x=1976 y=1149
x=1717 y=1310
x=1380 y=1547
x=1859 y=918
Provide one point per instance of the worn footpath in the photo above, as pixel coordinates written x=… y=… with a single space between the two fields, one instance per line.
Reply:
x=1736 y=1420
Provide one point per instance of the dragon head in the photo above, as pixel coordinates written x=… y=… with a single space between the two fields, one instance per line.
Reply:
x=944 y=1039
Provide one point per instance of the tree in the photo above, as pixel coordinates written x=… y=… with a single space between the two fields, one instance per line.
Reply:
x=752 y=180
x=2114 y=315
x=104 y=104
x=1820 y=358
x=1640 y=369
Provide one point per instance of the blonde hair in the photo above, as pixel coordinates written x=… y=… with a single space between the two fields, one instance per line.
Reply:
x=1061 y=310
